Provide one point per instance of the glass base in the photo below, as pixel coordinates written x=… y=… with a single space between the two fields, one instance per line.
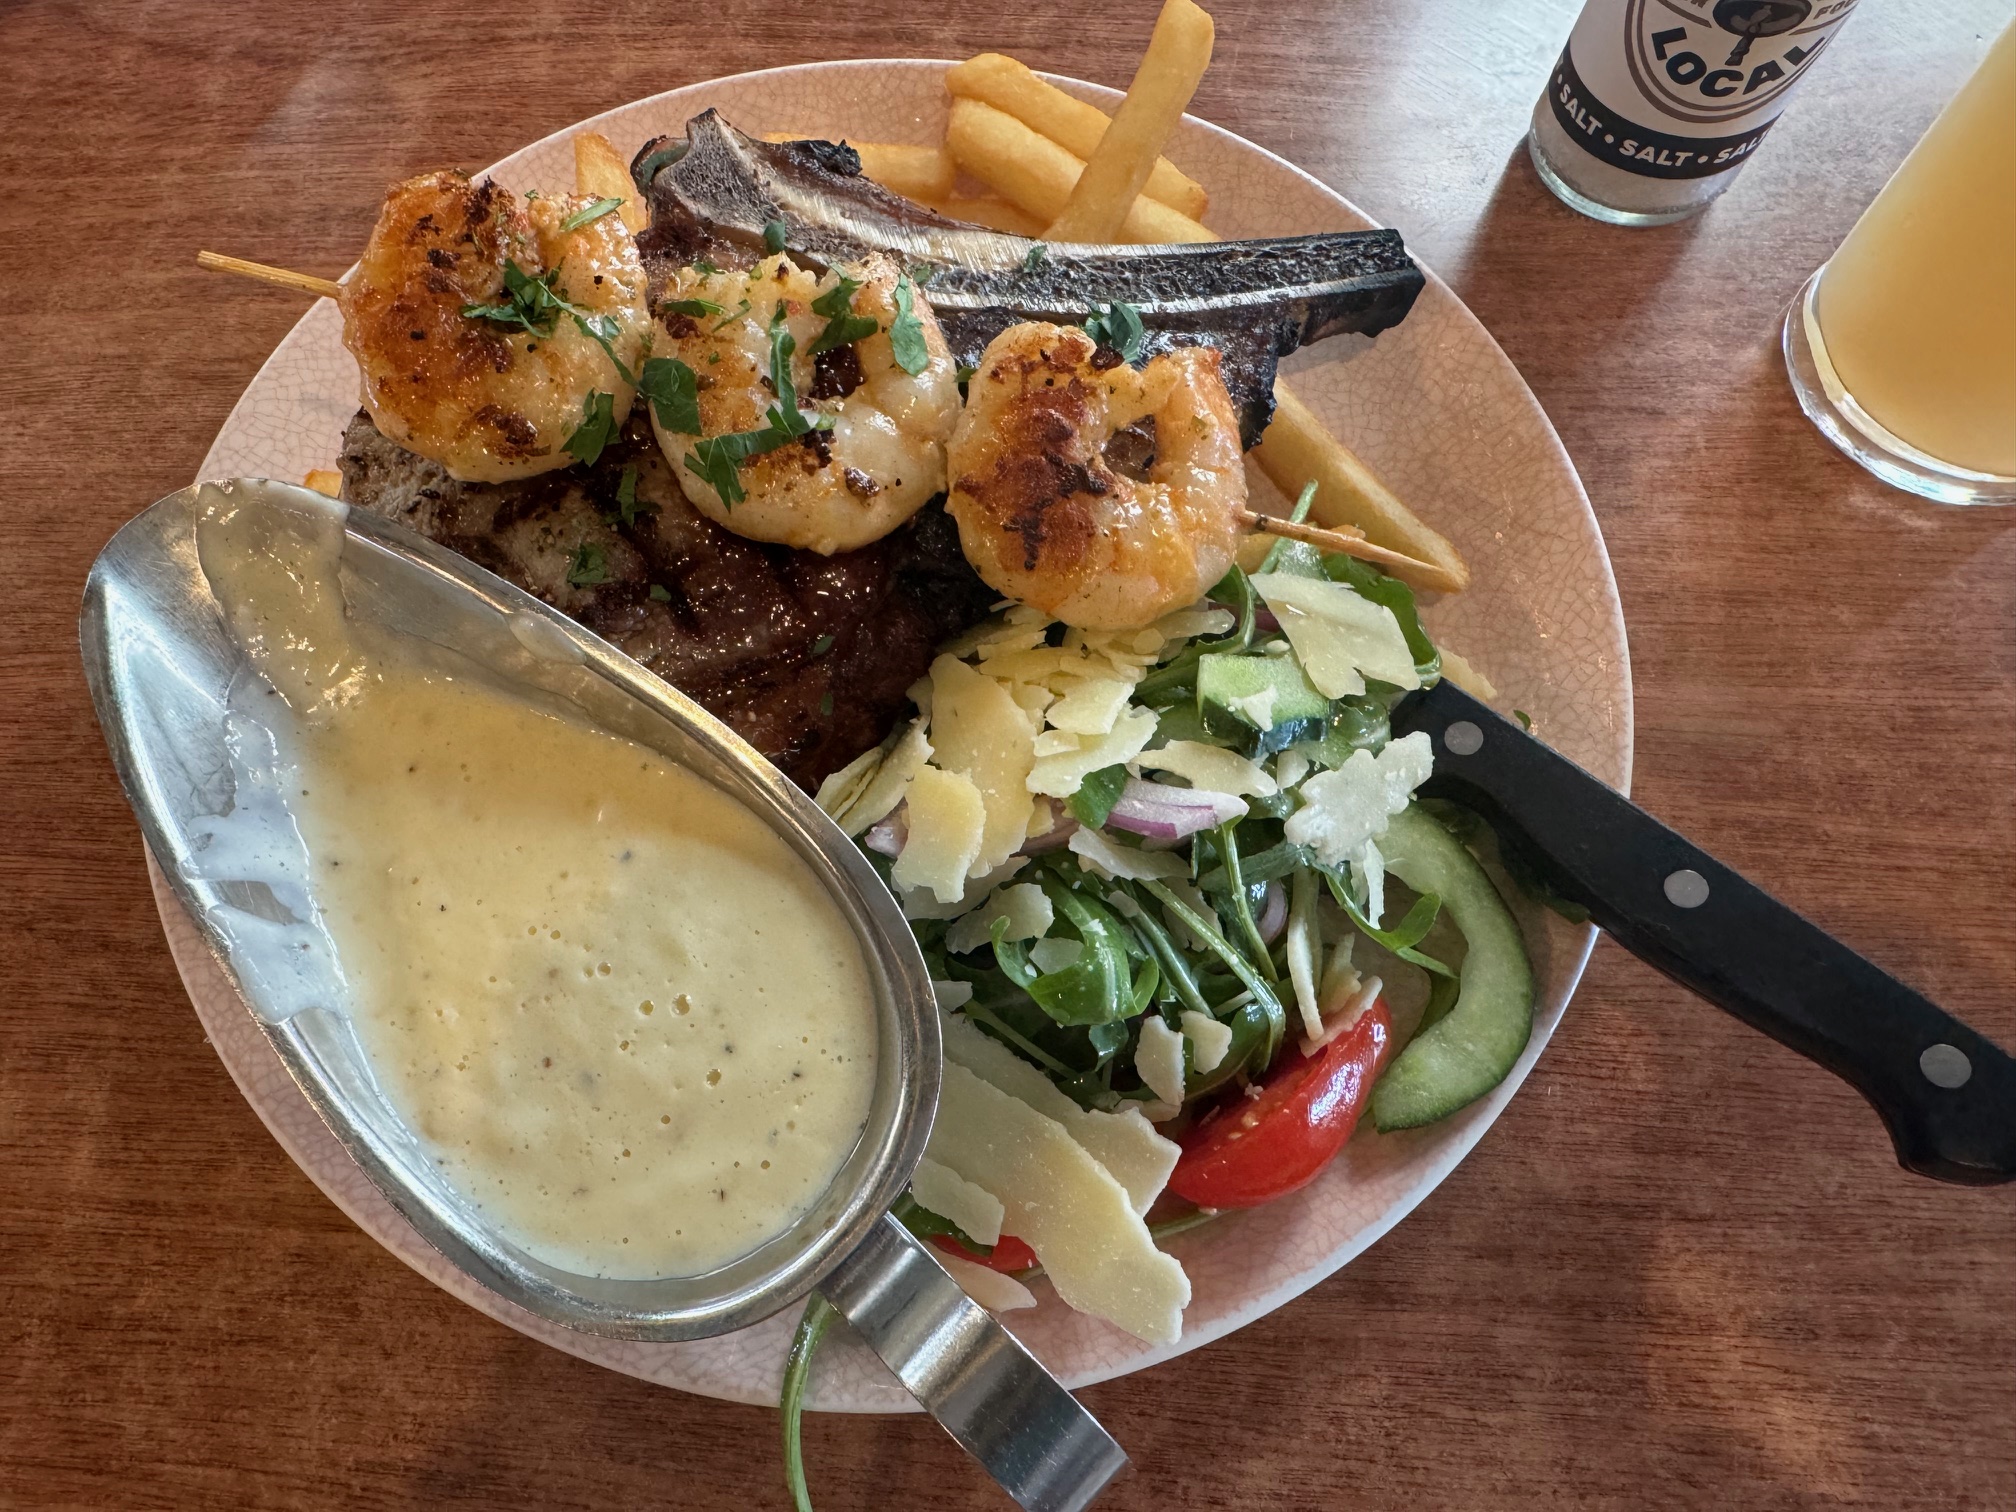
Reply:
x=1575 y=199
x=1856 y=433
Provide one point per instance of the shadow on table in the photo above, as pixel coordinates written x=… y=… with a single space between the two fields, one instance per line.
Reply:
x=1528 y=252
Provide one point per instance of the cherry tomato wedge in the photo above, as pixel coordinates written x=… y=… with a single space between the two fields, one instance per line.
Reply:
x=1254 y=1149
x=1010 y=1255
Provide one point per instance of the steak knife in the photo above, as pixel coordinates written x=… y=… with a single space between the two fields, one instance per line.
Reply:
x=1946 y=1093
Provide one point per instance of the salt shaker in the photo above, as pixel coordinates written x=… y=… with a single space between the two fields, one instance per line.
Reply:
x=1656 y=105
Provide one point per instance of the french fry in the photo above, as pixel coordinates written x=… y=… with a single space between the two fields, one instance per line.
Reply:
x=324 y=480
x=1115 y=174
x=988 y=210
x=601 y=174
x=1036 y=175
x=919 y=173
x=1071 y=123
x=1296 y=449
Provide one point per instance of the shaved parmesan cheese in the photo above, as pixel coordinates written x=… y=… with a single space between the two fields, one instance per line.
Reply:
x=1291 y=766
x=1257 y=709
x=842 y=787
x=1368 y=867
x=1059 y=773
x=1138 y=1158
x=1346 y=1014
x=1063 y=1204
x=950 y=1195
x=1055 y=954
x=1210 y=767
x=1025 y=906
x=1470 y=679
x=991 y=1289
x=948 y=820
x=951 y=995
x=1103 y=858
x=1340 y=977
x=1338 y=634
x=880 y=794
x=922 y=903
x=1188 y=624
x=1158 y=1059
x=1209 y=1040
x=1343 y=809
x=1056 y=743
x=979 y=731
x=1090 y=706
x=1038 y=664
x=1305 y=950
x=1031 y=698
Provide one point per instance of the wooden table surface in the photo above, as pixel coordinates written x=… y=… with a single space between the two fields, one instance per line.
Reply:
x=1683 y=1270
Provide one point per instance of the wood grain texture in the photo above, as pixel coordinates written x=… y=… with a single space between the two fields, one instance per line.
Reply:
x=1681 y=1272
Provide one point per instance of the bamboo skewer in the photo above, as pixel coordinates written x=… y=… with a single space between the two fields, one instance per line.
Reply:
x=286 y=278
x=1348 y=541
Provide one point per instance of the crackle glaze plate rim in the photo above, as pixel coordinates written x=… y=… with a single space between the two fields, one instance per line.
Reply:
x=1434 y=406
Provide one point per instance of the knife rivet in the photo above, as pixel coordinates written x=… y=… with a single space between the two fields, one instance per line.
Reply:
x=1686 y=889
x=1945 y=1066
x=1463 y=738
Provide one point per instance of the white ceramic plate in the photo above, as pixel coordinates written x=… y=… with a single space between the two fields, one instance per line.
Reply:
x=1433 y=405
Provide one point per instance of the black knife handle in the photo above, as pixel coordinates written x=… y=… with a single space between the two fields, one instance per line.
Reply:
x=1946 y=1093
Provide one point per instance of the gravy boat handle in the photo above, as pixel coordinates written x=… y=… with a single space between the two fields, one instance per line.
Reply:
x=971 y=1374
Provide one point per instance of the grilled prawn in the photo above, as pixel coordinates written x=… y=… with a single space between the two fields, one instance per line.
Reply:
x=843 y=382
x=490 y=328
x=1046 y=518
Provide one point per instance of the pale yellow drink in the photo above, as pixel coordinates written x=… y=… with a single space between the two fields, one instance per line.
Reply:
x=1917 y=310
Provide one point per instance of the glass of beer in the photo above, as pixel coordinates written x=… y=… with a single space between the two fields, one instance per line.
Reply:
x=1902 y=348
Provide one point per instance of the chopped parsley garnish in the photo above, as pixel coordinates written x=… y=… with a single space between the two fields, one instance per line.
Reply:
x=906 y=333
x=1525 y=719
x=1035 y=258
x=1117 y=326
x=603 y=331
x=843 y=326
x=785 y=414
x=826 y=707
x=715 y=460
x=533 y=304
x=628 y=510
x=964 y=373
x=660 y=594
x=673 y=392
x=589 y=566
x=588 y=213
x=774 y=233
x=732 y=316
x=922 y=273
x=822 y=645
x=704 y=266
x=694 y=307
x=597 y=428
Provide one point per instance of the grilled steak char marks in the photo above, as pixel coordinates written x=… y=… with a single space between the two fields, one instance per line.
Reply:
x=713 y=193
x=741 y=627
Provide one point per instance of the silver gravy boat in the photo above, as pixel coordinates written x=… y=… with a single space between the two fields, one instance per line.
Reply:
x=164 y=672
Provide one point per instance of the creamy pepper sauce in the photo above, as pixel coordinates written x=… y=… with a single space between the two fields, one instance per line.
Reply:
x=617 y=1009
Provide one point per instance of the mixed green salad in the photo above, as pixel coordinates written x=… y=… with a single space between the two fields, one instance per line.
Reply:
x=1187 y=922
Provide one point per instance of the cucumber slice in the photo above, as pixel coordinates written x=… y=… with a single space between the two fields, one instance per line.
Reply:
x=1463 y=1055
x=1298 y=712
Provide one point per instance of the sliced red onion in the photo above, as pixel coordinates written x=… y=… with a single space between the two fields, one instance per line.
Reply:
x=1062 y=827
x=888 y=836
x=1264 y=620
x=1158 y=811
x=1273 y=913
